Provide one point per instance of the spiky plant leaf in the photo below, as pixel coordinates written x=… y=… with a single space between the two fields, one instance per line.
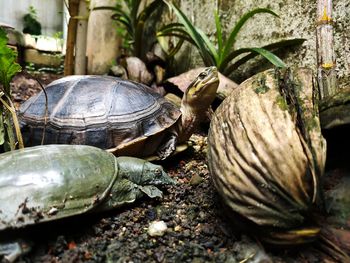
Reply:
x=195 y=35
x=232 y=38
x=271 y=47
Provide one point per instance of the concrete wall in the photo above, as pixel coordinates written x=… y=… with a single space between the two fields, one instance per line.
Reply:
x=49 y=14
x=297 y=20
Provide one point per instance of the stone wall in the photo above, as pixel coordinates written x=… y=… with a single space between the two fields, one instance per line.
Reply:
x=297 y=20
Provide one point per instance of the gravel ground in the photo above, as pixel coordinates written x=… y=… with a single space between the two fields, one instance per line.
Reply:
x=197 y=230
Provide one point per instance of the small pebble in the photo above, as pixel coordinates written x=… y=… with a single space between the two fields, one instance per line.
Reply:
x=157 y=228
x=177 y=228
x=196 y=180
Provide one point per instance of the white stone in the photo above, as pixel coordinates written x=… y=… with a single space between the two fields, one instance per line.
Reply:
x=50 y=44
x=157 y=228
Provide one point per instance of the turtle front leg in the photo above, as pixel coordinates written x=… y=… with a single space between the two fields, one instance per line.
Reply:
x=168 y=146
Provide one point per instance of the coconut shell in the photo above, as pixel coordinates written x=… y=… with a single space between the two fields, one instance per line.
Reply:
x=266 y=153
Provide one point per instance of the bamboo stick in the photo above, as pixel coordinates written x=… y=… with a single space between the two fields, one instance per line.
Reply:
x=80 y=47
x=73 y=8
x=327 y=77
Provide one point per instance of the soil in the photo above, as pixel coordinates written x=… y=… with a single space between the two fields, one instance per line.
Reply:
x=197 y=228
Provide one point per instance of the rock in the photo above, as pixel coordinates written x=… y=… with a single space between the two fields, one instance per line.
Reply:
x=49 y=44
x=29 y=41
x=157 y=228
x=338 y=203
x=119 y=71
x=159 y=52
x=137 y=70
x=42 y=58
x=196 y=179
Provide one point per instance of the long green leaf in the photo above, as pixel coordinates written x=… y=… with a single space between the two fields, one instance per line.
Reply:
x=172 y=51
x=210 y=46
x=232 y=38
x=274 y=46
x=275 y=60
x=175 y=30
x=121 y=13
x=120 y=16
x=285 y=43
x=218 y=33
x=170 y=28
x=203 y=50
x=135 y=4
x=179 y=35
x=176 y=49
x=140 y=23
x=233 y=54
x=146 y=13
x=11 y=112
x=113 y=8
x=126 y=24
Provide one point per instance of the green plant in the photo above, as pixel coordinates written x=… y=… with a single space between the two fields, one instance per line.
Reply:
x=132 y=22
x=31 y=23
x=223 y=53
x=8 y=117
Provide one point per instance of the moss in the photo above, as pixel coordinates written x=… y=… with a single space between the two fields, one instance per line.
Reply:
x=259 y=85
x=342 y=97
x=312 y=124
x=282 y=104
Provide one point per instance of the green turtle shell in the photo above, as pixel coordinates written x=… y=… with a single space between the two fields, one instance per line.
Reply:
x=50 y=182
x=101 y=111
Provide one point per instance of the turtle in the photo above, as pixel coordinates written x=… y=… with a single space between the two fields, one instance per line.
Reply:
x=122 y=116
x=51 y=182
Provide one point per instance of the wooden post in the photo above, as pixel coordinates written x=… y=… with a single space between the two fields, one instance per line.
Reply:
x=327 y=77
x=73 y=8
x=80 y=47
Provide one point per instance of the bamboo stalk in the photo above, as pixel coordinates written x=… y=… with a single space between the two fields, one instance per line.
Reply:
x=327 y=77
x=73 y=8
x=80 y=47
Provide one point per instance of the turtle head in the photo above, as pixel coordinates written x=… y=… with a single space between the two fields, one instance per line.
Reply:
x=142 y=172
x=202 y=91
x=153 y=174
x=141 y=177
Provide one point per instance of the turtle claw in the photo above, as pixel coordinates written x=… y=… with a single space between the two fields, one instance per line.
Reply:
x=168 y=147
x=165 y=153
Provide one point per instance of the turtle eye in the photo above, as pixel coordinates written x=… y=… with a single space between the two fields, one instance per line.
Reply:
x=202 y=75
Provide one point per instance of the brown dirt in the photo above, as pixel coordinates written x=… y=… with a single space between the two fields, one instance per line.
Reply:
x=197 y=231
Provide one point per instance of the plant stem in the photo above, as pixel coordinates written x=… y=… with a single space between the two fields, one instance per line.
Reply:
x=327 y=77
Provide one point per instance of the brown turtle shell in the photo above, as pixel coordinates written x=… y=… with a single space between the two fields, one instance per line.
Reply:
x=101 y=111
